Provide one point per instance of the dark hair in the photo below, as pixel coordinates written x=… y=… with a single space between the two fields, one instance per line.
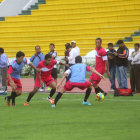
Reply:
x=37 y=46
x=110 y=44
x=137 y=44
x=48 y=56
x=52 y=44
x=120 y=42
x=78 y=59
x=1 y=50
x=67 y=46
x=99 y=39
x=19 y=54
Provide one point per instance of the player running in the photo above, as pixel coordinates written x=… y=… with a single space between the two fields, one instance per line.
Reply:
x=78 y=79
x=100 y=66
x=13 y=75
x=44 y=76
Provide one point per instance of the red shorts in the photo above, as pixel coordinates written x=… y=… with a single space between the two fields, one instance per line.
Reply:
x=47 y=81
x=17 y=82
x=95 y=78
x=69 y=85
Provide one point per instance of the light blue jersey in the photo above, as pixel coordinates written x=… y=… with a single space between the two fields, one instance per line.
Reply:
x=17 y=68
x=78 y=73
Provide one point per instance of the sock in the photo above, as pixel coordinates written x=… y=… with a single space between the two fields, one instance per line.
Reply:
x=31 y=94
x=52 y=92
x=88 y=91
x=97 y=90
x=13 y=96
x=58 y=96
x=101 y=90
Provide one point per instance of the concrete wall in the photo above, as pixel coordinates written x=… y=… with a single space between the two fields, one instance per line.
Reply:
x=14 y=7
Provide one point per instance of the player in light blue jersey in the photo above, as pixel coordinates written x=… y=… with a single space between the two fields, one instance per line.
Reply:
x=78 y=79
x=13 y=76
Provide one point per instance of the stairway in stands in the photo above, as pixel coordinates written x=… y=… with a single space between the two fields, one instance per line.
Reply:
x=60 y=21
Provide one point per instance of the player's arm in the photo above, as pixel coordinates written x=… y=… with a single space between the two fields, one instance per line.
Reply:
x=11 y=82
x=37 y=69
x=39 y=76
x=96 y=72
x=67 y=72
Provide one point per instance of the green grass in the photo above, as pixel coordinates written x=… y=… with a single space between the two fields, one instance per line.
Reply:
x=116 y=118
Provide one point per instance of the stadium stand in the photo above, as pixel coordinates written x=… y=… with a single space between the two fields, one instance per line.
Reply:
x=60 y=21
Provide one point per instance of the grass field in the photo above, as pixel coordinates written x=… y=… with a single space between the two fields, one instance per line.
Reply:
x=116 y=118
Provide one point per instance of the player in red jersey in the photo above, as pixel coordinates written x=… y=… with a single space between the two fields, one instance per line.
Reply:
x=100 y=66
x=44 y=76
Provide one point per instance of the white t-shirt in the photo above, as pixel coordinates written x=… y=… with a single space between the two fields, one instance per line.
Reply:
x=78 y=50
x=73 y=53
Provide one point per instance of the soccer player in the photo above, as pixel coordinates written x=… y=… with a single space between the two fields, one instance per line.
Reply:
x=100 y=66
x=77 y=79
x=13 y=75
x=44 y=76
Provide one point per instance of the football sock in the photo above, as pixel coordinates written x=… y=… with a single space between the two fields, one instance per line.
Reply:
x=58 y=96
x=101 y=90
x=13 y=96
x=97 y=90
x=31 y=94
x=88 y=91
x=52 y=92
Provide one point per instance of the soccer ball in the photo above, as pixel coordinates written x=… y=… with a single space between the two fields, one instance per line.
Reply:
x=100 y=96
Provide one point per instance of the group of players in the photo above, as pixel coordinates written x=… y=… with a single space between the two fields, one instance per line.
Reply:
x=44 y=69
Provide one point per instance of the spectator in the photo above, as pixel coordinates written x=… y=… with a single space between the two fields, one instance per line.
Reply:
x=135 y=69
x=66 y=54
x=54 y=56
x=3 y=68
x=35 y=59
x=112 y=66
x=73 y=44
x=121 y=64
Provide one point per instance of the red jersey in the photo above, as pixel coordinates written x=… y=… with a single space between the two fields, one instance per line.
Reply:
x=101 y=57
x=46 y=69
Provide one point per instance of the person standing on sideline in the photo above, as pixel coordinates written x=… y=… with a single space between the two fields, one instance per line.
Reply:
x=53 y=53
x=135 y=69
x=112 y=66
x=121 y=64
x=73 y=44
x=35 y=59
x=66 y=55
x=3 y=68
x=71 y=58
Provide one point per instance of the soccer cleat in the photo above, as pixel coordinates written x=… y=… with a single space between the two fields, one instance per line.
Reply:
x=8 y=100
x=53 y=106
x=26 y=104
x=13 y=104
x=105 y=93
x=86 y=103
x=51 y=100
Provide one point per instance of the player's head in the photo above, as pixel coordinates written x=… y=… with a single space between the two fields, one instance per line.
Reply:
x=110 y=46
x=137 y=46
x=37 y=49
x=1 y=51
x=98 y=42
x=73 y=43
x=19 y=56
x=120 y=43
x=52 y=47
x=78 y=59
x=48 y=58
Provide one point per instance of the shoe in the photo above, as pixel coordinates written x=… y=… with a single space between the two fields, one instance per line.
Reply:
x=53 y=106
x=8 y=100
x=26 y=104
x=105 y=93
x=41 y=90
x=51 y=100
x=111 y=90
x=86 y=103
x=13 y=104
x=49 y=89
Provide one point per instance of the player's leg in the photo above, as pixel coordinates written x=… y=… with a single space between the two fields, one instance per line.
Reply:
x=58 y=96
x=31 y=94
x=52 y=85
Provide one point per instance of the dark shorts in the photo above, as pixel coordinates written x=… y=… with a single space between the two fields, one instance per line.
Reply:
x=54 y=73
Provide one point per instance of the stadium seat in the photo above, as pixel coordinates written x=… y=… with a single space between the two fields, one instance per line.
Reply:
x=60 y=21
